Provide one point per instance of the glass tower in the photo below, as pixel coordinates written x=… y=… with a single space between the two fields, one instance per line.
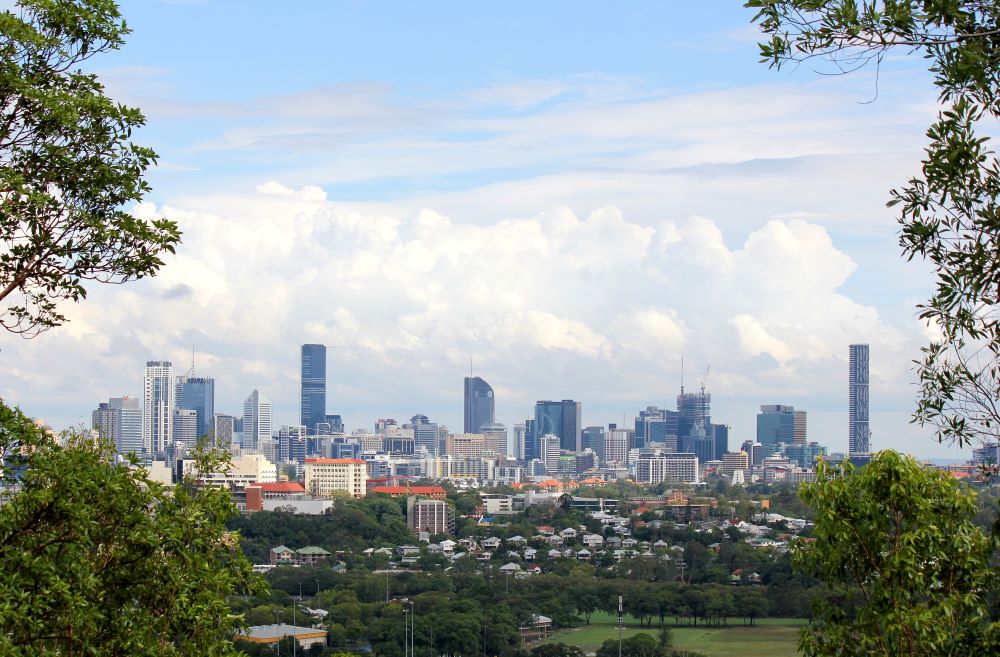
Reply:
x=562 y=419
x=479 y=404
x=312 y=398
x=197 y=394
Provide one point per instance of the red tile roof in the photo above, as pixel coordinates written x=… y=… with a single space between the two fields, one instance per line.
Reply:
x=403 y=490
x=279 y=487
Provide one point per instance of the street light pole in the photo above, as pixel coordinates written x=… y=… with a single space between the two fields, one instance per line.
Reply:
x=619 y=626
x=413 y=626
x=406 y=628
x=295 y=641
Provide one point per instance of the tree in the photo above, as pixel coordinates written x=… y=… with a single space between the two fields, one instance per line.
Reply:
x=97 y=559
x=638 y=645
x=949 y=213
x=556 y=650
x=907 y=571
x=67 y=167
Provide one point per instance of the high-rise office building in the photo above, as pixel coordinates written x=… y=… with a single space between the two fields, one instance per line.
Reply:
x=563 y=419
x=120 y=421
x=159 y=396
x=426 y=434
x=777 y=423
x=548 y=451
x=720 y=439
x=530 y=440
x=694 y=409
x=616 y=445
x=312 y=393
x=256 y=421
x=222 y=430
x=197 y=393
x=185 y=427
x=104 y=420
x=479 y=404
x=495 y=437
x=593 y=438
x=520 y=432
x=858 y=438
x=654 y=424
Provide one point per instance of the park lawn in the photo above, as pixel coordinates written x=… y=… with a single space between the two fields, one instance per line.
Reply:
x=776 y=637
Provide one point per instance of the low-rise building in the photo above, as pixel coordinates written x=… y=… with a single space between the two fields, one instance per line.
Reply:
x=271 y=634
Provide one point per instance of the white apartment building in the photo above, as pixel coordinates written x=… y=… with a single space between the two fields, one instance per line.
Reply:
x=245 y=469
x=323 y=477
x=654 y=469
x=158 y=401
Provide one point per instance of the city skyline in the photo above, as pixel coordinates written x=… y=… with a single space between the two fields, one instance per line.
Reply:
x=575 y=219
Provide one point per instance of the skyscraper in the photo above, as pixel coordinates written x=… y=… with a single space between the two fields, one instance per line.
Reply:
x=562 y=419
x=777 y=423
x=479 y=404
x=222 y=430
x=426 y=434
x=694 y=409
x=858 y=431
x=186 y=427
x=158 y=407
x=312 y=393
x=256 y=421
x=197 y=394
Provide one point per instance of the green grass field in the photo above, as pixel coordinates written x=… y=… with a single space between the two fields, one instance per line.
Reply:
x=771 y=637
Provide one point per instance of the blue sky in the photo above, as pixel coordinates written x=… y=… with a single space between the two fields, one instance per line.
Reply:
x=574 y=195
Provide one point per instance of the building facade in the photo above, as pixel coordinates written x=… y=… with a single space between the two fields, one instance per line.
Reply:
x=657 y=468
x=159 y=397
x=480 y=407
x=780 y=424
x=197 y=393
x=324 y=477
x=256 y=421
x=859 y=434
x=430 y=516
x=563 y=419
x=312 y=390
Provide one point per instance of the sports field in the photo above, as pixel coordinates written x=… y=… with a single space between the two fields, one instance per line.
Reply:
x=771 y=637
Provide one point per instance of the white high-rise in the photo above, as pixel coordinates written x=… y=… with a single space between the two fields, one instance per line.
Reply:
x=158 y=406
x=256 y=421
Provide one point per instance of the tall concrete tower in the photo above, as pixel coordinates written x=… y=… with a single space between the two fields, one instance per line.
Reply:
x=158 y=401
x=858 y=431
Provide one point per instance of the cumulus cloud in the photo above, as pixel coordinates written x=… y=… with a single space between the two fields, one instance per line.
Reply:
x=555 y=305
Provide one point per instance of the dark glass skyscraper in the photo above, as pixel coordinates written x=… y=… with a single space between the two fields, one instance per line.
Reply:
x=197 y=394
x=562 y=419
x=312 y=393
x=479 y=404
x=858 y=432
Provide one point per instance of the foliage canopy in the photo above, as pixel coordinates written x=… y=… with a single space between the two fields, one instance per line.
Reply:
x=67 y=165
x=948 y=213
x=97 y=559
x=907 y=570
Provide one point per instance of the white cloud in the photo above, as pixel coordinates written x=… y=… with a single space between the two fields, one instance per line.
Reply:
x=557 y=305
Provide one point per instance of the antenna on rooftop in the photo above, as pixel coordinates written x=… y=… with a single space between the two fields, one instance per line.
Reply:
x=190 y=372
x=682 y=375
